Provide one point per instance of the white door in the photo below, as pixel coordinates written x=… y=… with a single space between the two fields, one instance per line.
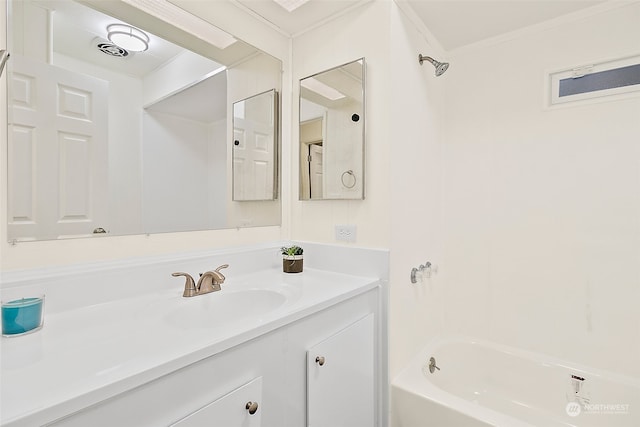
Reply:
x=253 y=149
x=340 y=378
x=239 y=408
x=58 y=154
x=315 y=171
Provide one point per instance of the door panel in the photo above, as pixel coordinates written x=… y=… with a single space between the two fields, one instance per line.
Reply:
x=255 y=152
x=61 y=159
x=254 y=130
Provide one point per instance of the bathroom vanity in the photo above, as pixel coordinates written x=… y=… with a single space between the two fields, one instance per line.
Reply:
x=269 y=349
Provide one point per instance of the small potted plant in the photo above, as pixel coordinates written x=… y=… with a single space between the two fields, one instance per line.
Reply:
x=292 y=259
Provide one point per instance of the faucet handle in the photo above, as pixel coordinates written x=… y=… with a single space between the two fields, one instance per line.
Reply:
x=189 y=285
x=217 y=270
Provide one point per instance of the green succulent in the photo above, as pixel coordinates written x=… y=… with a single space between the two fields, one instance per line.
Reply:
x=291 y=250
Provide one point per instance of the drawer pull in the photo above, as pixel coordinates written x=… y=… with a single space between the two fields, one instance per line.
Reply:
x=320 y=360
x=251 y=407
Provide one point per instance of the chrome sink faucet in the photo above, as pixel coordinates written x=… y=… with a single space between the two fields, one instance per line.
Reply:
x=209 y=281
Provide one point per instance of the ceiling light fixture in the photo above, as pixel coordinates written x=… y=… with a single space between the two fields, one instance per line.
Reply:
x=128 y=37
x=291 y=5
x=321 y=89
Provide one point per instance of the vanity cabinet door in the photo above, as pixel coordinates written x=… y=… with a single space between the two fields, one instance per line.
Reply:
x=232 y=410
x=340 y=378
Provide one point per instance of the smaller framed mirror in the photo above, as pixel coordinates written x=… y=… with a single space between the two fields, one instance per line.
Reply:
x=332 y=118
x=255 y=136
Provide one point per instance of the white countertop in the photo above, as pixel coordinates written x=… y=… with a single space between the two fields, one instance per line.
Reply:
x=86 y=355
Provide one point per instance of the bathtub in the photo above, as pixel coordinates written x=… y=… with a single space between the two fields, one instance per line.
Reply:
x=480 y=383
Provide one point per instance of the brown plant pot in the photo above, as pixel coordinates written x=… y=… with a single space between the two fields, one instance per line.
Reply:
x=292 y=264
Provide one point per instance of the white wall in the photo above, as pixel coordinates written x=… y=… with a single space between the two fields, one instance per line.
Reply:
x=31 y=22
x=256 y=75
x=403 y=149
x=542 y=234
x=339 y=154
x=182 y=71
x=417 y=115
x=363 y=32
x=217 y=174
x=175 y=155
x=227 y=16
x=530 y=215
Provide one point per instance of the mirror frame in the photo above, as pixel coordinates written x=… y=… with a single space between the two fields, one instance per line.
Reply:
x=362 y=119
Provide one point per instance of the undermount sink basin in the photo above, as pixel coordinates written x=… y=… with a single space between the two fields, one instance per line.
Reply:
x=206 y=311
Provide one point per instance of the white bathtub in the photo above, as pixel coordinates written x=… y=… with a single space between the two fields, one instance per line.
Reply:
x=485 y=384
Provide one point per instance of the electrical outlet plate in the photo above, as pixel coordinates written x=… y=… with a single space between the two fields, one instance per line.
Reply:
x=346 y=233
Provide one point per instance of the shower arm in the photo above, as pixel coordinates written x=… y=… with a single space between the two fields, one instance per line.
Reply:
x=440 y=67
x=422 y=58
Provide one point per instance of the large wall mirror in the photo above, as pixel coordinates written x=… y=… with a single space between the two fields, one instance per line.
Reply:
x=120 y=123
x=332 y=113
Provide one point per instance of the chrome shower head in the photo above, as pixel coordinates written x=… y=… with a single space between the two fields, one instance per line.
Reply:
x=441 y=67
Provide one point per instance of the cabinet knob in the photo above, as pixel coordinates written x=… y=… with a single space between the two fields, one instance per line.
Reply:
x=320 y=360
x=251 y=407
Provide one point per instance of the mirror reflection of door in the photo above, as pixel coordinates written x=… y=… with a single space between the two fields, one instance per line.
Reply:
x=315 y=171
x=58 y=182
x=312 y=151
x=253 y=148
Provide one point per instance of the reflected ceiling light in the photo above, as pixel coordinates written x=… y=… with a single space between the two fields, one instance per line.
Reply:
x=291 y=5
x=128 y=37
x=322 y=89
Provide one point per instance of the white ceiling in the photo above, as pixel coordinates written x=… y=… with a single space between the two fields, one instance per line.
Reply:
x=461 y=22
x=454 y=23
